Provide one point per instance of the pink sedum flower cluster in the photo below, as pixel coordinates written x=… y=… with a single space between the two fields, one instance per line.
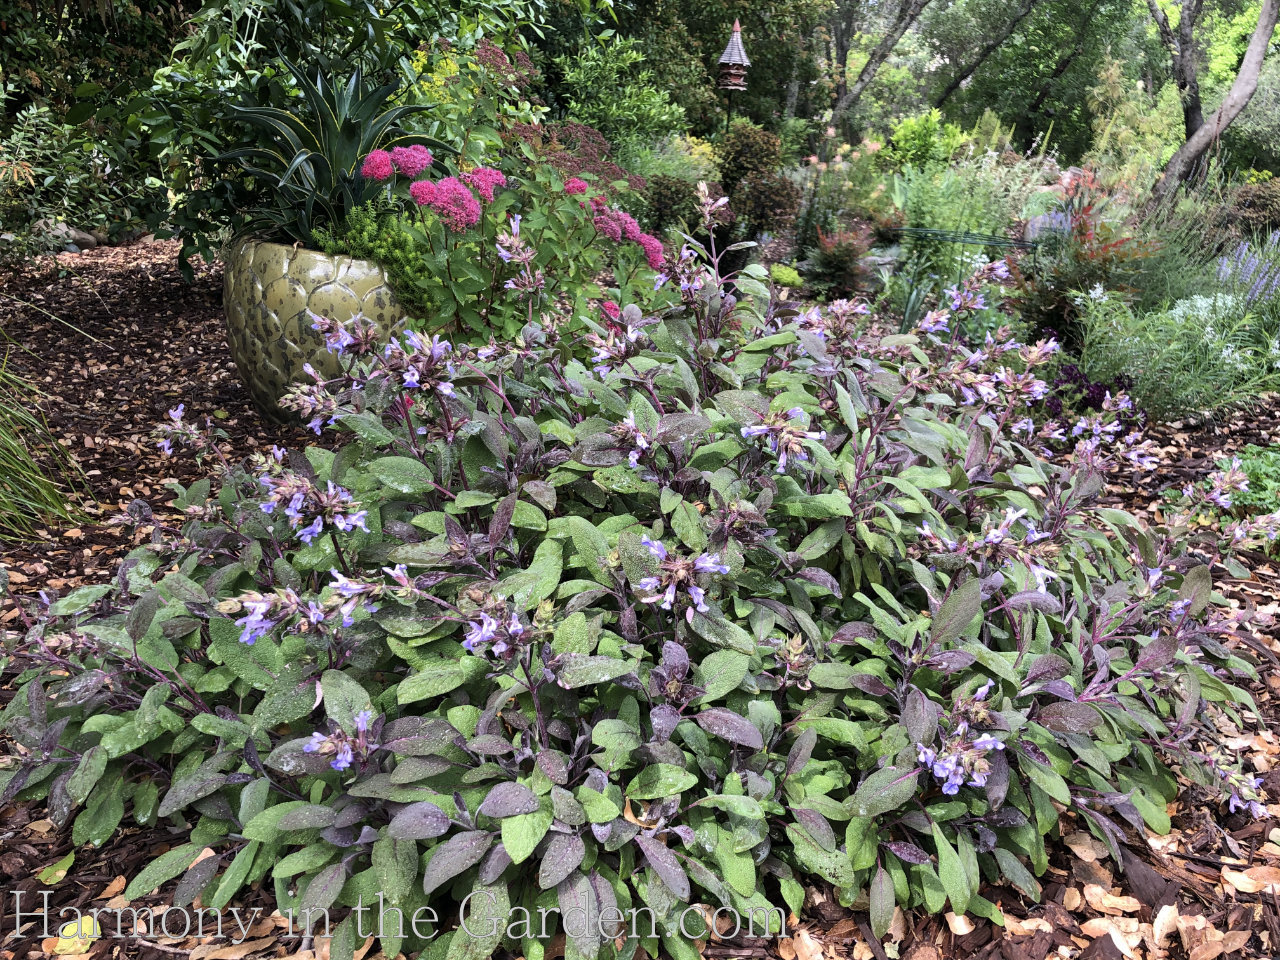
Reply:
x=455 y=204
x=412 y=160
x=484 y=180
x=378 y=166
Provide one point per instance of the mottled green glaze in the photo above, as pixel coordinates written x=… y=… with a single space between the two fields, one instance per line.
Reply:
x=269 y=293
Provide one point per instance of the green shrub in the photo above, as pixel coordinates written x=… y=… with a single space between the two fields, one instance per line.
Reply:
x=60 y=173
x=924 y=139
x=1196 y=357
x=607 y=88
x=746 y=150
x=1261 y=467
x=765 y=202
x=705 y=607
x=1255 y=208
x=836 y=267
x=785 y=276
x=668 y=202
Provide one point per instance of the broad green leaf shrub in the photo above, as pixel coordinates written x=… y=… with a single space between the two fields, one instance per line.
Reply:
x=696 y=608
x=924 y=139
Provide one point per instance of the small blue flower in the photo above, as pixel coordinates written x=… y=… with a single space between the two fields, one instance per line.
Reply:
x=710 y=563
x=655 y=547
x=481 y=632
x=311 y=530
x=316 y=743
x=343 y=759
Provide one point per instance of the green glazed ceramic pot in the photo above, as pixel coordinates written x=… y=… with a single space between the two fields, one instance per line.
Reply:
x=269 y=293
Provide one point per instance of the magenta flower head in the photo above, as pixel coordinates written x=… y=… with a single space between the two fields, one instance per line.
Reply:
x=377 y=166
x=575 y=185
x=485 y=180
x=456 y=205
x=610 y=310
x=423 y=192
x=653 y=251
x=411 y=161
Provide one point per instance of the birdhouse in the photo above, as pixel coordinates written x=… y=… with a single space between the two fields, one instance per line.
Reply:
x=734 y=62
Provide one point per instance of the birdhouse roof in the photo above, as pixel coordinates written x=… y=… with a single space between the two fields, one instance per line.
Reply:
x=733 y=53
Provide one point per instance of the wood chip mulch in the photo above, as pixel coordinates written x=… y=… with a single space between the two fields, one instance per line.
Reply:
x=115 y=338
x=1209 y=889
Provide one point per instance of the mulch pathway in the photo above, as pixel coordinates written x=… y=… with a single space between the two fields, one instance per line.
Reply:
x=114 y=338
x=147 y=341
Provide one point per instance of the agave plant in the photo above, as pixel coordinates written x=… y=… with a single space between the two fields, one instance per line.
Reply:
x=307 y=173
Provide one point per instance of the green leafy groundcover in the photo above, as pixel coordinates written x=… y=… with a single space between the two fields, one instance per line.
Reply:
x=698 y=608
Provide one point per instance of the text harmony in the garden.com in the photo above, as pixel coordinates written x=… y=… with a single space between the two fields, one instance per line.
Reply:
x=34 y=916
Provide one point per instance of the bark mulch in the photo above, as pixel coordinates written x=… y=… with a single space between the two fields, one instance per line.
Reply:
x=114 y=338
x=147 y=341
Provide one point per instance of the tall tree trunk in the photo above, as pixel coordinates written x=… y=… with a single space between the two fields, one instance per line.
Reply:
x=1183 y=59
x=841 y=33
x=958 y=80
x=1182 y=163
x=905 y=17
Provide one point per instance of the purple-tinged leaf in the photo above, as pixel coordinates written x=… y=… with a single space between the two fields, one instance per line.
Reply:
x=882 y=902
x=1048 y=666
x=675 y=660
x=608 y=906
x=727 y=725
x=950 y=661
x=816 y=825
x=577 y=899
x=564 y=854
x=907 y=852
x=664 y=719
x=323 y=890
x=1158 y=653
x=823 y=579
x=418 y=821
x=801 y=751
x=853 y=632
x=490 y=745
x=1035 y=600
x=555 y=765
x=1067 y=717
x=665 y=865
x=456 y=855
x=1060 y=688
x=1034 y=752
x=501 y=522
x=541 y=492
x=997 y=778
x=870 y=684
x=1006 y=818
x=920 y=717
x=509 y=800
x=1197 y=585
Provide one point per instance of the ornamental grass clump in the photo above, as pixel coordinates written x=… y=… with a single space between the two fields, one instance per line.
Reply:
x=703 y=607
